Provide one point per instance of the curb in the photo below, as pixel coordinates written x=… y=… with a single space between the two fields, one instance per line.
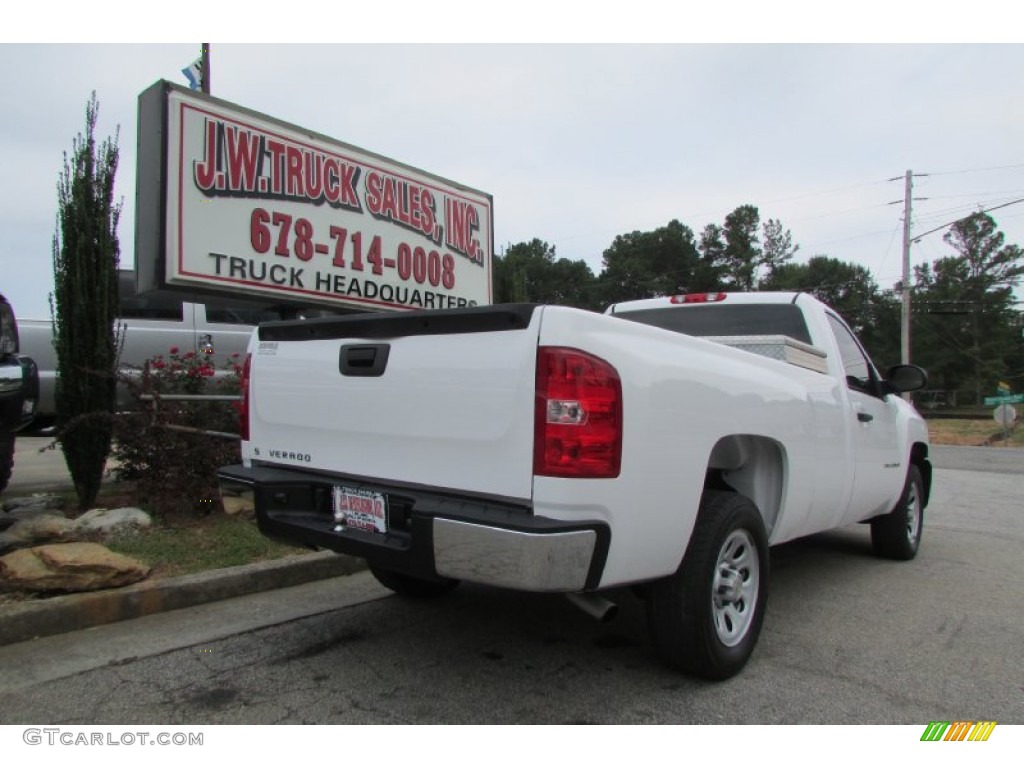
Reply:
x=53 y=616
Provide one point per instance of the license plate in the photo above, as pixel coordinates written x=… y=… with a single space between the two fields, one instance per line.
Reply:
x=360 y=510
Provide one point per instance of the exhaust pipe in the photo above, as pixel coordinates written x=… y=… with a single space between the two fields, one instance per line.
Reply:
x=594 y=605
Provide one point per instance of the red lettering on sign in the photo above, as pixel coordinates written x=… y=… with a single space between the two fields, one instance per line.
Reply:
x=277 y=151
x=314 y=175
x=402 y=202
x=293 y=183
x=206 y=169
x=243 y=159
x=462 y=222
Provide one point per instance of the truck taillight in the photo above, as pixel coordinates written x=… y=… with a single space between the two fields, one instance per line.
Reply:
x=578 y=415
x=243 y=404
x=697 y=298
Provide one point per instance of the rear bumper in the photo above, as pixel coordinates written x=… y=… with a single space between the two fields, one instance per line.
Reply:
x=431 y=532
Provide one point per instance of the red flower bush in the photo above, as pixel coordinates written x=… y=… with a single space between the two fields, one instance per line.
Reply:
x=165 y=446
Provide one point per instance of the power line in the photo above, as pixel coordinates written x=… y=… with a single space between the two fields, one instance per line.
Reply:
x=976 y=170
x=951 y=223
x=980 y=194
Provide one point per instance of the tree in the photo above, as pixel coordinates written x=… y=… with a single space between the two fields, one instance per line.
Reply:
x=84 y=305
x=848 y=288
x=712 y=253
x=778 y=247
x=662 y=262
x=529 y=272
x=964 y=315
x=742 y=255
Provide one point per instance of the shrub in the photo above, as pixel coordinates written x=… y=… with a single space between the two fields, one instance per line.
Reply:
x=84 y=305
x=163 y=446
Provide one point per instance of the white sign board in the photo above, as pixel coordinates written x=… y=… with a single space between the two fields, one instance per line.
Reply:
x=251 y=205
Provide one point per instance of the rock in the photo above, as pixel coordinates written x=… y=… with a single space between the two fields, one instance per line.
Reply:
x=41 y=528
x=111 y=521
x=26 y=506
x=238 y=505
x=78 y=567
x=48 y=507
x=34 y=512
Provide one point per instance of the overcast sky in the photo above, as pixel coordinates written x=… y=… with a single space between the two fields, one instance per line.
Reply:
x=577 y=143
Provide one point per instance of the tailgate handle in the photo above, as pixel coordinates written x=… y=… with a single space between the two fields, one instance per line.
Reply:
x=363 y=359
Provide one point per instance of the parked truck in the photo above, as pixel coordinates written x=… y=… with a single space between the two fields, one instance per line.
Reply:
x=151 y=324
x=666 y=444
x=19 y=389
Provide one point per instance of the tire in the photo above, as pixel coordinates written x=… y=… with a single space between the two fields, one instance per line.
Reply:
x=897 y=535
x=706 y=617
x=411 y=586
x=6 y=458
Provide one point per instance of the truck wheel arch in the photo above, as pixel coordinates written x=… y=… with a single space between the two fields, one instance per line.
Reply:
x=919 y=457
x=754 y=466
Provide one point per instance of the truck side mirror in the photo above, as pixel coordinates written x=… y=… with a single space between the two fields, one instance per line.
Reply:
x=906 y=378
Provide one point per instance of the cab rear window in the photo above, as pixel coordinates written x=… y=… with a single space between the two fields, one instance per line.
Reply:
x=726 y=320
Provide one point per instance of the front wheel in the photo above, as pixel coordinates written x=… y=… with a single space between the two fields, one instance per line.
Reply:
x=897 y=535
x=706 y=617
x=411 y=586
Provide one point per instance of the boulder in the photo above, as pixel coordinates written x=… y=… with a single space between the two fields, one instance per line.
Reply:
x=41 y=528
x=29 y=508
x=77 y=567
x=242 y=504
x=29 y=513
x=38 y=503
x=111 y=521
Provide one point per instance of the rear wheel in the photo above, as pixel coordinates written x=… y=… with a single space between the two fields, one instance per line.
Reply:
x=412 y=586
x=706 y=617
x=897 y=535
x=6 y=457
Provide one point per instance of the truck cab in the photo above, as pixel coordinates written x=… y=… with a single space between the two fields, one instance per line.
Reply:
x=861 y=464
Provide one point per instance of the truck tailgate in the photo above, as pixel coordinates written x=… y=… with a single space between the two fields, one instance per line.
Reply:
x=434 y=400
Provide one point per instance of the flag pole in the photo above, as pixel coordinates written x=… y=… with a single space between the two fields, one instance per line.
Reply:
x=205 y=68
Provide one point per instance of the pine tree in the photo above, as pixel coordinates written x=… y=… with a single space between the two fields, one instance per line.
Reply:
x=84 y=305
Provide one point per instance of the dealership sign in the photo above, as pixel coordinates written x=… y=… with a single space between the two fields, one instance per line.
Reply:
x=233 y=202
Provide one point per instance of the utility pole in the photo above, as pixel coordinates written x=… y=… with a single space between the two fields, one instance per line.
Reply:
x=905 y=312
x=908 y=190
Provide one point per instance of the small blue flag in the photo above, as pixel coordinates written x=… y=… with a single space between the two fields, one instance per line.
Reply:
x=194 y=74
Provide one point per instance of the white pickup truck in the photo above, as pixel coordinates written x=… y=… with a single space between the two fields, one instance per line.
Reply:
x=667 y=443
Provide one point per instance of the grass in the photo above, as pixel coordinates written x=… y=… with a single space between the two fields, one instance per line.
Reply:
x=199 y=545
x=178 y=546
x=971 y=432
x=184 y=544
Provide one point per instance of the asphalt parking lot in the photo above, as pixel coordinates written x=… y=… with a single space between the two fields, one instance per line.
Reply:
x=848 y=639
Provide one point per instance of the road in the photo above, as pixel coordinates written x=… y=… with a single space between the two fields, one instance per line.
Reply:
x=848 y=639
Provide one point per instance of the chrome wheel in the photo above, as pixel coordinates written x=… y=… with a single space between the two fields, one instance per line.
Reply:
x=912 y=511
x=735 y=587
